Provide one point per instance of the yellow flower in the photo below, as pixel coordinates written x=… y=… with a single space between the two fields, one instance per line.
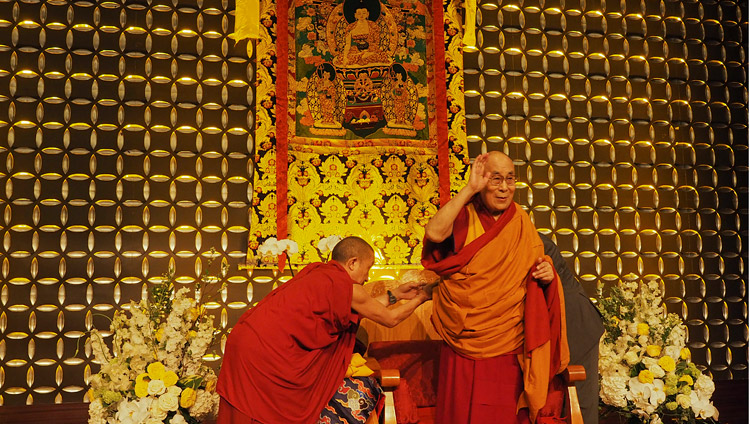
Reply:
x=193 y=313
x=653 y=350
x=646 y=377
x=141 y=388
x=685 y=353
x=686 y=378
x=614 y=320
x=667 y=363
x=141 y=377
x=156 y=370
x=159 y=334
x=210 y=385
x=643 y=329
x=169 y=378
x=187 y=398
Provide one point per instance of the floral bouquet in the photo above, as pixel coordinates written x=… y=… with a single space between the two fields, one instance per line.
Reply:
x=645 y=369
x=154 y=372
x=326 y=244
x=277 y=252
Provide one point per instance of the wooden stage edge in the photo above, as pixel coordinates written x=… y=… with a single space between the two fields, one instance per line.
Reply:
x=730 y=398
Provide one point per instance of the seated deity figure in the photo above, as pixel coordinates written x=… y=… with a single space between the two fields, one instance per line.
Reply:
x=362 y=37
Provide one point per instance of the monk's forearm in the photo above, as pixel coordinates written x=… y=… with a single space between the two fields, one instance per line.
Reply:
x=383 y=299
x=374 y=308
x=440 y=226
x=402 y=311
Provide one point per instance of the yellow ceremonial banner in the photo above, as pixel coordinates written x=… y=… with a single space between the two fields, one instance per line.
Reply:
x=470 y=37
x=246 y=20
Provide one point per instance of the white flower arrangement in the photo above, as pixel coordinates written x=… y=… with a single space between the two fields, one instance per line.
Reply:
x=270 y=250
x=644 y=367
x=326 y=244
x=154 y=372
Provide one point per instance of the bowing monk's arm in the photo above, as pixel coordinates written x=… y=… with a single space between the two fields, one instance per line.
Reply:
x=440 y=226
x=369 y=307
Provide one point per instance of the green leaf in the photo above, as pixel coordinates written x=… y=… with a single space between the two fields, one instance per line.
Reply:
x=193 y=381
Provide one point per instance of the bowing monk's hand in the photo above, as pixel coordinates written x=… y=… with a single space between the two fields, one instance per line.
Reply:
x=427 y=289
x=478 y=177
x=408 y=290
x=543 y=271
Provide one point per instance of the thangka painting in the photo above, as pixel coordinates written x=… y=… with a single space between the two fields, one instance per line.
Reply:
x=360 y=123
x=361 y=79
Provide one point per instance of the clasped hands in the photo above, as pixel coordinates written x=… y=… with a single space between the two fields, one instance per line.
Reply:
x=414 y=289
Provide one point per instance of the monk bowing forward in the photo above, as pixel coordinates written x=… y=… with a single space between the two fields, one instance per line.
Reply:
x=499 y=307
x=286 y=357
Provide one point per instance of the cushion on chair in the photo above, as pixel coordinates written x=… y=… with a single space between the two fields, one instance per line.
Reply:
x=427 y=415
x=418 y=362
x=406 y=409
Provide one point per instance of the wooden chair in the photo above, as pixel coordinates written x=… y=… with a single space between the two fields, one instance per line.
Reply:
x=389 y=380
x=572 y=374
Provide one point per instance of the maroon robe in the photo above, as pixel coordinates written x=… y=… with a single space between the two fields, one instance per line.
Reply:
x=286 y=356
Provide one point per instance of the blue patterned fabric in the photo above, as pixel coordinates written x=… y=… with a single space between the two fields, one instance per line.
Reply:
x=354 y=402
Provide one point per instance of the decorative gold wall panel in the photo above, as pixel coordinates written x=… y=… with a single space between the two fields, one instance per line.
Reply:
x=125 y=145
x=627 y=121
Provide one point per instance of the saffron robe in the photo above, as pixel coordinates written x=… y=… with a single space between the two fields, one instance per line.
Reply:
x=490 y=305
x=286 y=357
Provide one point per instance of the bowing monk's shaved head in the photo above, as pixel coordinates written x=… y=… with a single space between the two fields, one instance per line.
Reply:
x=351 y=247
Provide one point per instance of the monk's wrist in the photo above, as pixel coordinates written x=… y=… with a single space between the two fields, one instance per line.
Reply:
x=392 y=298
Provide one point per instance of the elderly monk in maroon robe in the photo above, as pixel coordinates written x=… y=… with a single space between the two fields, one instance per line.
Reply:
x=286 y=357
x=499 y=307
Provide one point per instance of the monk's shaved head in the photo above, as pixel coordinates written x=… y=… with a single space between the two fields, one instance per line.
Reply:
x=499 y=157
x=351 y=247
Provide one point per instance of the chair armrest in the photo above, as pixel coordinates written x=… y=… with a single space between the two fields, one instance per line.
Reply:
x=572 y=374
x=389 y=379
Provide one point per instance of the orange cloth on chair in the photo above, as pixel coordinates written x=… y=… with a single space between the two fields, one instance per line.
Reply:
x=481 y=310
x=286 y=356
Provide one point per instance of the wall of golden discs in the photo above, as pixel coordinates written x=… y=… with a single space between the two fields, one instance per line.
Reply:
x=124 y=147
x=628 y=123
